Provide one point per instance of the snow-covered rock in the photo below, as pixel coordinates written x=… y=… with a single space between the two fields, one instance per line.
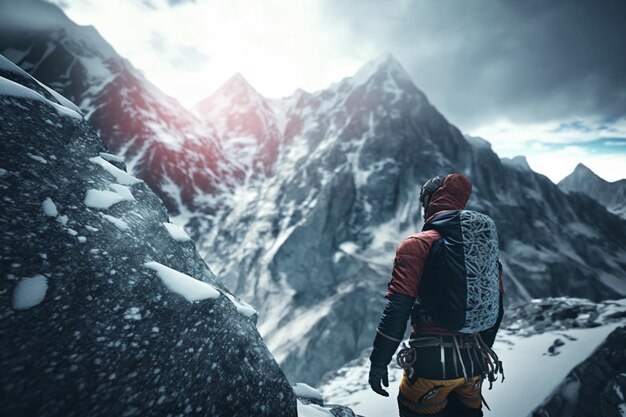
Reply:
x=311 y=404
x=596 y=387
x=583 y=180
x=102 y=312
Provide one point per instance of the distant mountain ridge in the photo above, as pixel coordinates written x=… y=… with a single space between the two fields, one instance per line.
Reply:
x=612 y=195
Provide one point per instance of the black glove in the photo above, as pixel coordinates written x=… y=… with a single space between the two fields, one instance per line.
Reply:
x=378 y=374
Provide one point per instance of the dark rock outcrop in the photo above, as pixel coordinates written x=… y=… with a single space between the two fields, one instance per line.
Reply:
x=596 y=387
x=106 y=308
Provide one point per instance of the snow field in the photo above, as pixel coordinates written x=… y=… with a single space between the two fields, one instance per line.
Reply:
x=312 y=410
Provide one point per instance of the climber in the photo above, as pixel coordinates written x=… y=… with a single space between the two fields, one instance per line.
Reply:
x=448 y=280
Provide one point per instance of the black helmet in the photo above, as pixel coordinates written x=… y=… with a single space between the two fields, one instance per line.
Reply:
x=429 y=188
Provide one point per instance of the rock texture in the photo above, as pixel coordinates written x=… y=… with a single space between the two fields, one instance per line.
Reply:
x=583 y=180
x=106 y=308
x=596 y=387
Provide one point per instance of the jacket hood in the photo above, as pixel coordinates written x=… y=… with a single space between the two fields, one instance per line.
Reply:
x=452 y=195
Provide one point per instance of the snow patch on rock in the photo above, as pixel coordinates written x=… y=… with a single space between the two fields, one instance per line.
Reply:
x=121 y=176
x=119 y=223
x=182 y=284
x=176 y=232
x=49 y=208
x=29 y=292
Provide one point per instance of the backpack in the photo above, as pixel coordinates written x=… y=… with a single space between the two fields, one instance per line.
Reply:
x=460 y=286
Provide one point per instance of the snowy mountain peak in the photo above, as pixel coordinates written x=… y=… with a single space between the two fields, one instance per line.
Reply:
x=582 y=174
x=385 y=65
x=235 y=96
x=237 y=84
x=582 y=169
x=235 y=90
x=610 y=194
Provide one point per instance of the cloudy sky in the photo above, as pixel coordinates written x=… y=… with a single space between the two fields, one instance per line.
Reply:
x=546 y=79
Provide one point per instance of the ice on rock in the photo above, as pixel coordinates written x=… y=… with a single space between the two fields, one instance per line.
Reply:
x=49 y=208
x=29 y=292
x=242 y=307
x=102 y=199
x=123 y=191
x=38 y=158
x=111 y=157
x=307 y=391
x=132 y=314
x=176 y=232
x=312 y=410
x=182 y=284
x=120 y=224
x=13 y=89
x=121 y=176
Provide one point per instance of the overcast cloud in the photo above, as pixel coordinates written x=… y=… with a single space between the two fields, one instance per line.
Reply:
x=525 y=61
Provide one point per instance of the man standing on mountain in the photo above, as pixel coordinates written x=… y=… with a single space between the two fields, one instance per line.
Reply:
x=448 y=279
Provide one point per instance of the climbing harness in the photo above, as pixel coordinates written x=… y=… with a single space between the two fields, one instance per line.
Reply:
x=406 y=358
x=481 y=357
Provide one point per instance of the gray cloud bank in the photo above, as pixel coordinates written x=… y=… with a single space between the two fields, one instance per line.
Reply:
x=528 y=61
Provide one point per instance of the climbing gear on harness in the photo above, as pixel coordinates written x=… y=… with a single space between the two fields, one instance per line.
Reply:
x=486 y=360
x=406 y=358
x=443 y=357
x=494 y=364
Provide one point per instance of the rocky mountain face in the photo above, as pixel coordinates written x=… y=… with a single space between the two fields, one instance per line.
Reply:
x=301 y=202
x=596 y=387
x=107 y=308
x=177 y=155
x=583 y=180
x=312 y=247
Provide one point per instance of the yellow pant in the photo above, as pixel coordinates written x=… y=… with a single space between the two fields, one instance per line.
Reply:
x=430 y=396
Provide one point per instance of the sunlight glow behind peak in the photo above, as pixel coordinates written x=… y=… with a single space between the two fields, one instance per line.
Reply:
x=194 y=47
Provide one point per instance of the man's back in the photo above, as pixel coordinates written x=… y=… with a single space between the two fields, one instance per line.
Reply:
x=447 y=279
